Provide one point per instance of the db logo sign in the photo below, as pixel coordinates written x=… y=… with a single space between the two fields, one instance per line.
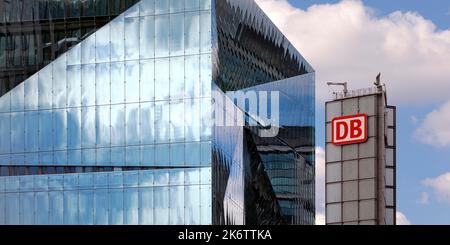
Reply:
x=349 y=129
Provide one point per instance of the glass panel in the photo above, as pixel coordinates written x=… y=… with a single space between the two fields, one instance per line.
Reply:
x=73 y=86
x=192 y=83
x=205 y=75
x=205 y=206
x=148 y=155
x=74 y=158
x=146 y=206
x=162 y=155
x=59 y=82
x=88 y=85
x=59 y=129
x=103 y=126
x=131 y=179
x=5 y=101
x=86 y=202
x=70 y=207
x=42 y=208
x=116 y=207
x=177 y=121
x=133 y=156
x=132 y=38
x=191 y=5
x=31 y=93
x=132 y=12
x=176 y=77
x=117 y=83
x=56 y=204
x=192 y=205
x=117 y=38
x=177 y=154
x=161 y=6
x=5 y=131
x=147 y=80
x=88 y=127
x=161 y=205
x=45 y=131
x=206 y=150
x=147 y=40
x=74 y=128
x=102 y=44
x=132 y=81
x=192 y=176
x=17 y=95
x=176 y=205
x=11 y=211
x=192 y=33
x=74 y=55
x=88 y=157
x=131 y=206
x=162 y=29
x=118 y=156
x=27 y=208
x=60 y=158
x=88 y=50
x=103 y=157
x=102 y=85
x=162 y=121
x=192 y=120
x=147 y=7
x=177 y=34
x=17 y=132
x=117 y=125
x=205 y=4
x=132 y=124
x=162 y=69
x=206 y=118
x=205 y=31
x=101 y=207
x=45 y=87
x=176 y=5
x=147 y=117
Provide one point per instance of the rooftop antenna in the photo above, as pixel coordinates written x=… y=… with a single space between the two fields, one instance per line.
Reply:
x=378 y=83
x=344 y=84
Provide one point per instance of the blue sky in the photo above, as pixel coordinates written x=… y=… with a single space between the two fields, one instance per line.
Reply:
x=413 y=57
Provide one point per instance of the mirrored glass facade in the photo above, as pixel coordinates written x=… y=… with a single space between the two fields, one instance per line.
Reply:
x=115 y=128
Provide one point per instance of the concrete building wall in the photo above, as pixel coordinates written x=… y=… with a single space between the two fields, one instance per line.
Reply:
x=357 y=175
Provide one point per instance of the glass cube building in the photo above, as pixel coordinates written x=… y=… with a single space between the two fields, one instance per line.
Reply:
x=106 y=110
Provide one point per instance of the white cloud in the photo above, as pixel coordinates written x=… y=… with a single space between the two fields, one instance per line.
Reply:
x=414 y=120
x=424 y=198
x=401 y=219
x=441 y=186
x=320 y=186
x=347 y=41
x=434 y=129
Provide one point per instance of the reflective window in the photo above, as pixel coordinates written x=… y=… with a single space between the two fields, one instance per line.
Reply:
x=102 y=84
x=162 y=70
x=59 y=82
x=132 y=124
x=147 y=7
x=117 y=125
x=192 y=33
x=117 y=82
x=103 y=117
x=147 y=124
x=147 y=38
x=102 y=44
x=117 y=39
x=45 y=87
x=88 y=127
x=132 y=38
x=132 y=81
x=88 y=50
x=74 y=85
x=162 y=125
x=176 y=34
x=60 y=129
x=176 y=77
x=162 y=29
x=147 y=80
x=88 y=85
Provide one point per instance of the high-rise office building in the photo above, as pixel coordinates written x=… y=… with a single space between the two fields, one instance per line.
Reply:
x=360 y=158
x=106 y=109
